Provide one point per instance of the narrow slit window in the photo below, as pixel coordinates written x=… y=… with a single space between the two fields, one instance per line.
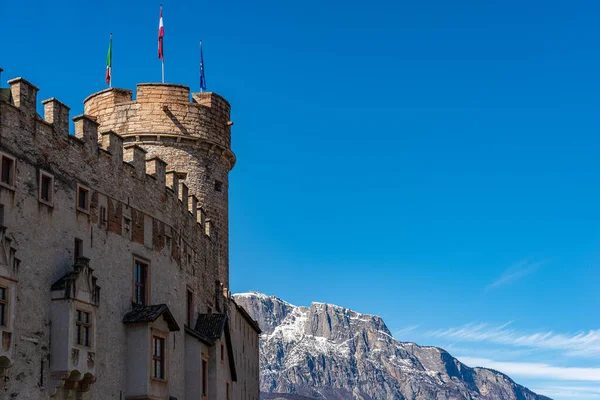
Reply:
x=158 y=358
x=140 y=283
x=218 y=186
x=77 y=250
x=190 y=308
x=204 y=378
x=103 y=218
x=3 y=306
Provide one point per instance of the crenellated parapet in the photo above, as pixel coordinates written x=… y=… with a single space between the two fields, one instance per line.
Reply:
x=191 y=132
x=164 y=113
x=133 y=182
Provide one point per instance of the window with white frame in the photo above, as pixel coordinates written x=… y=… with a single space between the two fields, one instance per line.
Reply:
x=158 y=357
x=83 y=328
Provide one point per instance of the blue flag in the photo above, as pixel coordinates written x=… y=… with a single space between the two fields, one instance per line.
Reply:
x=202 y=77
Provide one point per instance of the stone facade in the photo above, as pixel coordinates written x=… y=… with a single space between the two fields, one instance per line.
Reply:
x=114 y=250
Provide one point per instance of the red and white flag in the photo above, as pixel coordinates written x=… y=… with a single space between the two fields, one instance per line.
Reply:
x=161 y=34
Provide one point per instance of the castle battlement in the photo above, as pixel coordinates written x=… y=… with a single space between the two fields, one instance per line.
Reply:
x=190 y=131
x=103 y=161
x=165 y=113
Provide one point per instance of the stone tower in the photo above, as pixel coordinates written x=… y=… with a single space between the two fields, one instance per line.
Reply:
x=192 y=136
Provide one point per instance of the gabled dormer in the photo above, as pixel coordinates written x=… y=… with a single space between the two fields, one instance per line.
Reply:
x=9 y=267
x=218 y=368
x=75 y=300
x=149 y=329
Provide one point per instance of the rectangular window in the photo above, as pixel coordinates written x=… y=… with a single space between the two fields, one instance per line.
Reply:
x=158 y=358
x=227 y=394
x=7 y=175
x=3 y=306
x=83 y=326
x=103 y=218
x=222 y=353
x=83 y=198
x=140 y=283
x=204 y=378
x=46 y=187
x=78 y=250
x=218 y=186
x=190 y=308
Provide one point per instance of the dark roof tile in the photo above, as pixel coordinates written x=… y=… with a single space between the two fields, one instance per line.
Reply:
x=211 y=325
x=141 y=314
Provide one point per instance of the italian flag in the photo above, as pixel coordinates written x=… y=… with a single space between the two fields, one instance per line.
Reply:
x=109 y=63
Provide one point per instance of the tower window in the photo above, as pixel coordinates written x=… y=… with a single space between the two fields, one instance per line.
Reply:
x=140 y=284
x=83 y=198
x=77 y=250
x=190 y=308
x=218 y=186
x=7 y=175
x=3 y=306
x=46 y=187
x=103 y=218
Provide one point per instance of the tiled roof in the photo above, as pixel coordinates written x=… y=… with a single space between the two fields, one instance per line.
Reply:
x=211 y=325
x=140 y=314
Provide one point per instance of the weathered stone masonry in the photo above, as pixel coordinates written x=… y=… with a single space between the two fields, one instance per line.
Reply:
x=141 y=186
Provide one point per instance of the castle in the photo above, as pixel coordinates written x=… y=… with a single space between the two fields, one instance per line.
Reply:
x=114 y=271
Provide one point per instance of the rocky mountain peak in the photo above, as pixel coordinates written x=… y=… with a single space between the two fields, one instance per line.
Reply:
x=330 y=352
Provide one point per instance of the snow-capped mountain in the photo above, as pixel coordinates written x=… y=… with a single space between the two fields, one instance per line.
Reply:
x=333 y=353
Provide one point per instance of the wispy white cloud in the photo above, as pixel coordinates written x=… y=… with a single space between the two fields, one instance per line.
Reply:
x=535 y=370
x=574 y=392
x=515 y=272
x=404 y=331
x=579 y=344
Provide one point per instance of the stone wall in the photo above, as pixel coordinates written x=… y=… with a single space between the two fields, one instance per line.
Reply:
x=150 y=214
x=193 y=137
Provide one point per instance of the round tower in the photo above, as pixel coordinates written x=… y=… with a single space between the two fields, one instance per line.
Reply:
x=192 y=136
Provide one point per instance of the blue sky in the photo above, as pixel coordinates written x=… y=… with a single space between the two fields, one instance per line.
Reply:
x=432 y=162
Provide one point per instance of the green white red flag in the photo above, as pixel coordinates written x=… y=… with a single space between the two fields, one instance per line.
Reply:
x=109 y=63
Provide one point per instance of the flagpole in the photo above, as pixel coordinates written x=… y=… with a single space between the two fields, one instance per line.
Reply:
x=201 y=66
x=163 y=70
